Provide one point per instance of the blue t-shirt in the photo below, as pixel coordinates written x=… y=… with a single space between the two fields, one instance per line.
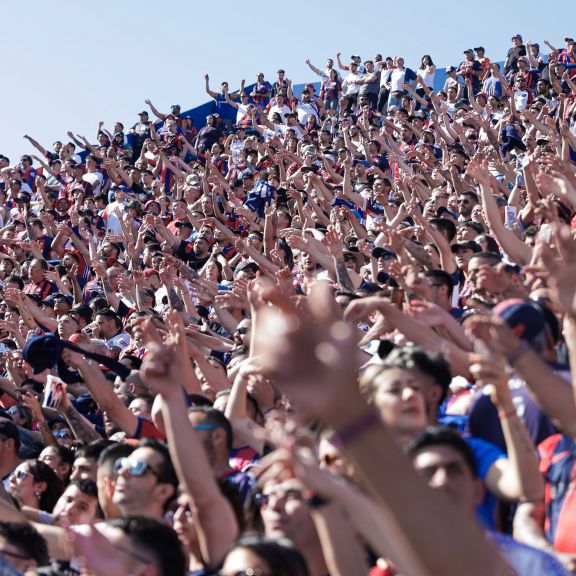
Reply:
x=485 y=454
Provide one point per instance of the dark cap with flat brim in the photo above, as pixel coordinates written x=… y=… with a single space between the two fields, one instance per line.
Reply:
x=469 y=245
x=380 y=251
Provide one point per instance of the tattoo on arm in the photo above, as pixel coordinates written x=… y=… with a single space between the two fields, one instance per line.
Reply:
x=419 y=253
x=188 y=273
x=140 y=295
x=175 y=301
x=342 y=275
x=80 y=428
x=106 y=284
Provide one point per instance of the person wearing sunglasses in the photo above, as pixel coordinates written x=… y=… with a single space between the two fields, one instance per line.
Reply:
x=146 y=482
x=35 y=485
x=466 y=203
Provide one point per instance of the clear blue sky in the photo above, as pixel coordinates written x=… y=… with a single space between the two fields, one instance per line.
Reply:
x=68 y=64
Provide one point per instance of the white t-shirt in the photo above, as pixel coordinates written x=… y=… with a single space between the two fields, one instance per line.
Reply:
x=397 y=79
x=427 y=77
x=281 y=129
x=94 y=178
x=305 y=109
x=112 y=222
x=520 y=99
x=121 y=341
x=349 y=85
x=280 y=110
x=241 y=113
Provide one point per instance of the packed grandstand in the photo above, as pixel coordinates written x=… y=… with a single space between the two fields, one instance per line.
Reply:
x=323 y=329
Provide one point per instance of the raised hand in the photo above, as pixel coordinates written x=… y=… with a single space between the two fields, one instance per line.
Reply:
x=333 y=243
x=163 y=369
x=52 y=275
x=429 y=313
x=167 y=275
x=29 y=400
x=99 y=268
x=495 y=333
x=310 y=354
x=297 y=242
x=490 y=373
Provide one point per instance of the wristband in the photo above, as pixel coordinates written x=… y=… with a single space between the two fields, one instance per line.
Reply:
x=502 y=414
x=358 y=427
x=316 y=501
x=523 y=347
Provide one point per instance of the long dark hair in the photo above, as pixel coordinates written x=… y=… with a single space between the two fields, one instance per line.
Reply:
x=41 y=472
x=430 y=63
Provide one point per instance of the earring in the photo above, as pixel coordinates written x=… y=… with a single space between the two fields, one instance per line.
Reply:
x=37 y=493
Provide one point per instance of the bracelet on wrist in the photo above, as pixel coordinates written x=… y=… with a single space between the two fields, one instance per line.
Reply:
x=503 y=414
x=316 y=501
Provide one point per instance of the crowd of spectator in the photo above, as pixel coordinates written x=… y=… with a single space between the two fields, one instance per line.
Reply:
x=332 y=336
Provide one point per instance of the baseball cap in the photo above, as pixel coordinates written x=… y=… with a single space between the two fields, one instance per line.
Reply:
x=468 y=50
x=524 y=317
x=517 y=37
x=479 y=48
x=82 y=310
x=149 y=272
x=150 y=202
x=246 y=264
x=65 y=297
x=380 y=251
x=182 y=223
x=142 y=113
x=468 y=245
x=443 y=210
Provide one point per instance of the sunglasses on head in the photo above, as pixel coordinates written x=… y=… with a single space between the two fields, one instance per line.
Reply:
x=205 y=427
x=21 y=474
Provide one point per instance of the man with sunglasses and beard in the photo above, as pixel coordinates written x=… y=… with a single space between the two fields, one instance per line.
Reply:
x=146 y=481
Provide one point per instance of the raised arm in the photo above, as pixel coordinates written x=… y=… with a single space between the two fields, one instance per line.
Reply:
x=158 y=115
x=36 y=145
x=313 y=68
x=103 y=392
x=208 y=91
x=517 y=250
x=215 y=521
x=368 y=442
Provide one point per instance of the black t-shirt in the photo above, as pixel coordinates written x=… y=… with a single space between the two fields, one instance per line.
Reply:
x=207 y=137
x=484 y=423
x=513 y=54
x=185 y=251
